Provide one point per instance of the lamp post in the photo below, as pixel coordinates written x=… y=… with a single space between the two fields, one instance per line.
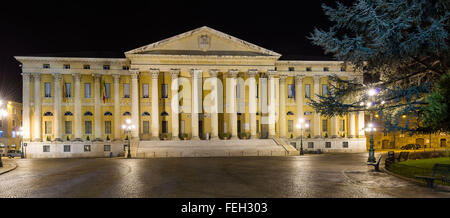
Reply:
x=371 y=92
x=127 y=127
x=3 y=114
x=301 y=123
x=20 y=133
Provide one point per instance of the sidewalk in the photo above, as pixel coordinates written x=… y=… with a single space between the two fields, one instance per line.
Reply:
x=8 y=165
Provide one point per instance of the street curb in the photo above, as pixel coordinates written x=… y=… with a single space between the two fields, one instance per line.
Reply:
x=437 y=187
x=15 y=166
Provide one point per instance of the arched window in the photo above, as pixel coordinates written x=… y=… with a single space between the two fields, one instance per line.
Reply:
x=126 y=113
x=146 y=113
x=107 y=113
x=48 y=114
x=290 y=113
x=88 y=113
x=164 y=114
x=68 y=113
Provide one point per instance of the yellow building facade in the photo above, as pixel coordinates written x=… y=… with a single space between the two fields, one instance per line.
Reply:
x=199 y=85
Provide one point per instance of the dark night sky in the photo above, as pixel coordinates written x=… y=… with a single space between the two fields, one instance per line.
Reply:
x=36 y=27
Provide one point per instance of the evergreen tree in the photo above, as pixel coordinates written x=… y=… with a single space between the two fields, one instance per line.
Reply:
x=402 y=48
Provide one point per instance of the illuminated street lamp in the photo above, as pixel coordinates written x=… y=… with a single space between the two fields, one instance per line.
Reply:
x=301 y=125
x=370 y=128
x=128 y=127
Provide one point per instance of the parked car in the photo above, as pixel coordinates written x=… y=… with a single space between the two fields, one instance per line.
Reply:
x=14 y=153
x=410 y=147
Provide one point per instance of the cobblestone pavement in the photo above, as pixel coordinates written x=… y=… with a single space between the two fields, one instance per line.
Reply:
x=325 y=175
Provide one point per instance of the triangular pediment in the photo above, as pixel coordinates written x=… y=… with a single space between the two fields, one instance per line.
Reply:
x=203 y=41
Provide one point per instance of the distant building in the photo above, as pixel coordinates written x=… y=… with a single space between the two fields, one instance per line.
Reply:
x=75 y=106
x=10 y=125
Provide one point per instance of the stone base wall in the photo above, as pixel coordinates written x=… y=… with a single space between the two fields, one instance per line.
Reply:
x=336 y=144
x=36 y=149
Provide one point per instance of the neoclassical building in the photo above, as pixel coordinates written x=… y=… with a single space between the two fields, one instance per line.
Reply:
x=199 y=85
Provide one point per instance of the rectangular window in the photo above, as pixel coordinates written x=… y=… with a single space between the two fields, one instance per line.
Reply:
x=48 y=90
x=13 y=134
x=46 y=66
x=327 y=144
x=307 y=91
x=291 y=90
x=164 y=91
x=291 y=68
x=145 y=90
x=345 y=144
x=326 y=69
x=87 y=90
x=124 y=67
x=308 y=68
x=126 y=90
x=68 y=127
x=310 y=144
x=342 y=126
x=66 y=66
x=48 y=127
x=342 y=69
x=46 y=148
x=66 y=148
x=87 y=148
x=86 y=66
x=309 y=125
x=165 y=126
x=107 y=127
x=107 y=148
x=146 y=127
x=107 y=90
x=324 y=90
x=290 y=126
x=68 y=90
x=14 y=123
x=257 y=92
x=324 y=125
x=87 y=127
x=106 y=67
x=1 y=134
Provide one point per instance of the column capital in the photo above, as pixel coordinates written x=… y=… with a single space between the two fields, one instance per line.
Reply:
x=134 y=73
x=233 y=73
x=252 y=72
x=154 y=72
x=36 y=75
x=26 y=77
x=57 y=77
x=77 y=76
x=213 y=72
x=316 y=78
x=196 y=73
x=175 y=72
x=299 y=77
x=282 y=77
x=97 y=76
x=116 y=78
x=271 y=73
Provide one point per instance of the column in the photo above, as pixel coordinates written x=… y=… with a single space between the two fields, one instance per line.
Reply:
x=97 y=108
x=272 y=102
x=37 y=108
x=232 y=104
x=155 y=104
x=196 y=76
x=57 y=106
x=77 y=112
x=175 y=104
x=299 y=99
x=282 y=114
x=316 y=114
x=351 y=121
x=252 y=102
x=117 y=120
x=361 y=124
x=135 y=104
x=334 y=127
x=26 y=106
x=215 y=110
